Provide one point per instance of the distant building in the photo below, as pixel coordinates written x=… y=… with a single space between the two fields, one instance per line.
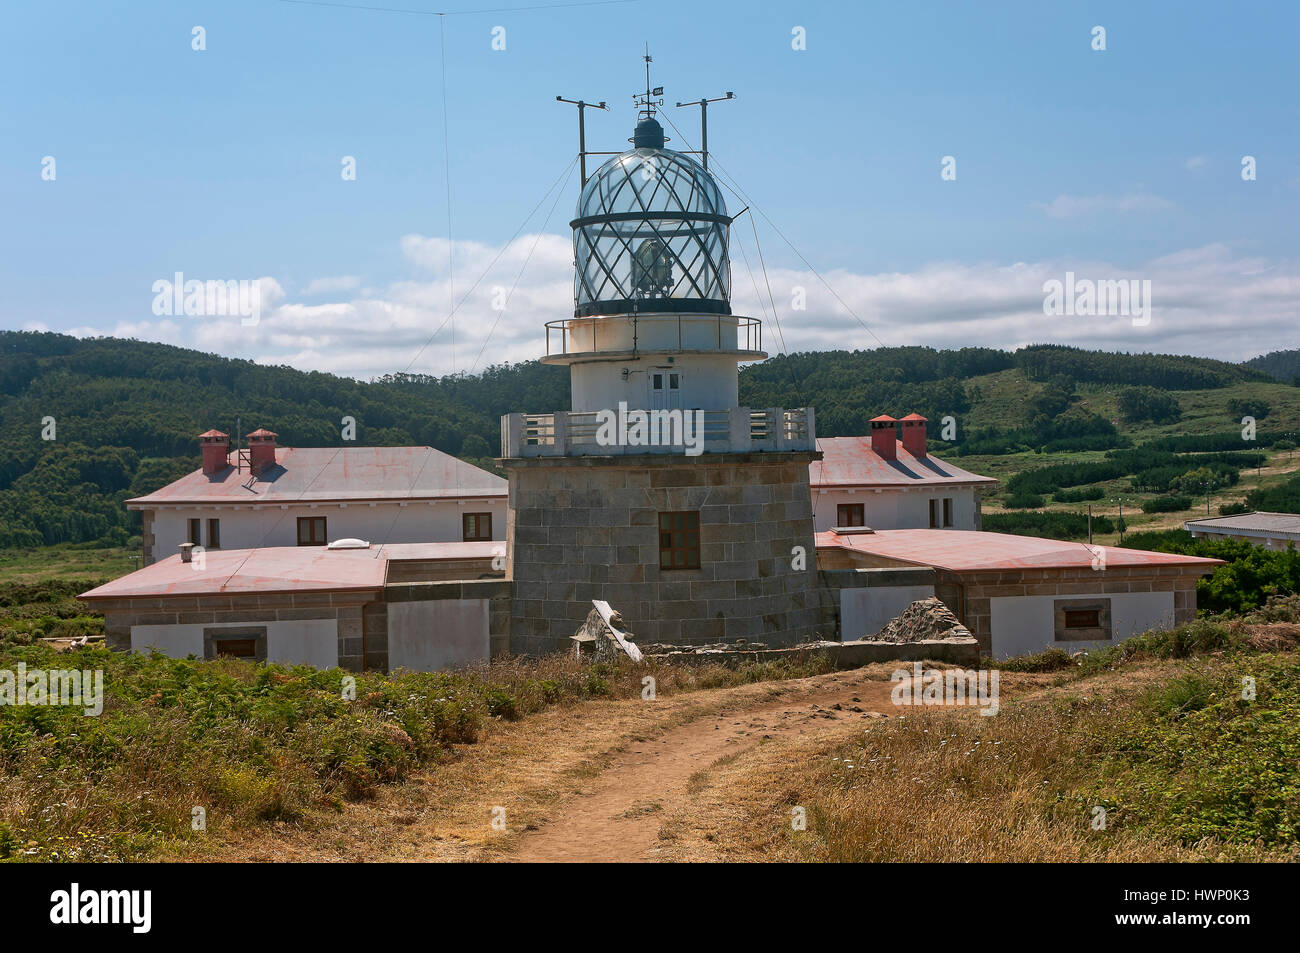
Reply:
x=1269 y=530
x=883 y=483
x=268 y=495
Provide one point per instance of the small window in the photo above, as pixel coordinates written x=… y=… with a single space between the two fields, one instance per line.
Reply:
x=195 y=532
x=311 y=531
x=934 y=514
x=476 y=526
x=679 y=540
x=947 y=511
x=1083 y=618
x=235 y=648
x=850 y=514
x=672 y=382
x=214 y=534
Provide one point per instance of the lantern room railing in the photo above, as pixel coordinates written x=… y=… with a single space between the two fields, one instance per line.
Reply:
x=739 y=430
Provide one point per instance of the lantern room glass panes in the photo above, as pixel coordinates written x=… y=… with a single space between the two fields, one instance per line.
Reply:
x=651 y=235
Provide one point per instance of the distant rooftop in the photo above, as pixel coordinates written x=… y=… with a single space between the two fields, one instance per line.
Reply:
x=323 y=474
x=850 y=461
x=1249 y=524
x=281 y=569
x=967 y=551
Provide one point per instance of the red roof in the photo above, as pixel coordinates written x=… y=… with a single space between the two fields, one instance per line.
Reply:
x=915 y=416
x=884 y=417
x=213 y=433
x=970 y=551
x=322 y=474
x=850 y=461
x=281 y=569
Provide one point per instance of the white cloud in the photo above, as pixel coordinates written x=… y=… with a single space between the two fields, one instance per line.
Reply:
x=1073 y=206
x=1194 y=162
x=1208 y=300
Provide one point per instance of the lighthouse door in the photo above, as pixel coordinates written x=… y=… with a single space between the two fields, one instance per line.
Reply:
x=665 y=390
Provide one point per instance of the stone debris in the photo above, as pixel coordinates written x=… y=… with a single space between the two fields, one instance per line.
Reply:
x=603 y=638
x=923 y=619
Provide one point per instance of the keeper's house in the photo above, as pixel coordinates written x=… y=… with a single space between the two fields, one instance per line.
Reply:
x=1016 y=594
x=267 y=495
x=882 y=482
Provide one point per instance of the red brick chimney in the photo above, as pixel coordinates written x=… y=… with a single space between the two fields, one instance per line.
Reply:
x=914 y=435
x=216 y=445
x=261 y=450
x=884 y=436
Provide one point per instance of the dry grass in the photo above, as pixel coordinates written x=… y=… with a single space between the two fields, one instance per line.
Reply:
x=947 y=785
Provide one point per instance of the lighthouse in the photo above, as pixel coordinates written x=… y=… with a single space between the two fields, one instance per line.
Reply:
x=657 y=492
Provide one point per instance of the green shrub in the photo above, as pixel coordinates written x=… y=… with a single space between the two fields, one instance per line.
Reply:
x=1167 y=504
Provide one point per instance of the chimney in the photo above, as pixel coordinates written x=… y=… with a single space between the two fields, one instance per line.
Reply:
x=215 y=446
x=914 y=435
x=187 y=552
x=261 y=450
x=884 y=436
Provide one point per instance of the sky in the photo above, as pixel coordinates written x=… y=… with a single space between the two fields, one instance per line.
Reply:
x=128 y=156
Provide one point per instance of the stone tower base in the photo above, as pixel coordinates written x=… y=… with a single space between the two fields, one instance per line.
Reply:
x=583 y=528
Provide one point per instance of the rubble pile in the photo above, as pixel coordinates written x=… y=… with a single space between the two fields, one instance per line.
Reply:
x=923 y=619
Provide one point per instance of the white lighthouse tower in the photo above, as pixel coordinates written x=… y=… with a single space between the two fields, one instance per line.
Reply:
x=700 y=534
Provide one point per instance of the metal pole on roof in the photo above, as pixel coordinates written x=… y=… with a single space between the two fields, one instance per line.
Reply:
x=1089 y=524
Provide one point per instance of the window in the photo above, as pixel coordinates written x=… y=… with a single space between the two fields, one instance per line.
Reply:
x=947 y=511
x=934 y=514
x=244 y=641
x=850 y=514
x=679 y=540
x=311 y=531
x=214 y=534
x=195 y=537
x=236 y=648
x=475 y=526
x=1082 y=620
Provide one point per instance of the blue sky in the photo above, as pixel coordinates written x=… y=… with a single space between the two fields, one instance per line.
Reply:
x=225 y=164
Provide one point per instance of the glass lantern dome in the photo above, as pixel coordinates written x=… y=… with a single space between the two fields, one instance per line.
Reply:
x=651 y=234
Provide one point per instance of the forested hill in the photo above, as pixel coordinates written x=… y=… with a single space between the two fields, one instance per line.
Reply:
x=1283 y=365
x=127 y=413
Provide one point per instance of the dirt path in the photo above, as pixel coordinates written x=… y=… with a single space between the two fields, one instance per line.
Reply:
x=619 y=819
x=594 y=781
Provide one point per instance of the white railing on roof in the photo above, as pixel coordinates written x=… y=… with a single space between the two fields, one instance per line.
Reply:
x=739 y=430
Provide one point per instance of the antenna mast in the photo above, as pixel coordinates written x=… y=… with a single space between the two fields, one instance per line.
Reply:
x=582 y=129
x=704 y=122
x=646 y=103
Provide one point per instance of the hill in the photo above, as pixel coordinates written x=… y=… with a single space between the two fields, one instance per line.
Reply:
x=1282 y=365
x=126 y=413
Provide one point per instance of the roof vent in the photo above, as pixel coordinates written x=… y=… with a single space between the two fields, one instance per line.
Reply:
x=851 y=530
x=349 y=543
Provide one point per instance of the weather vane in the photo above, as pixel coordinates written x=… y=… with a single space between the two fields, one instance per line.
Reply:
x=648 y=101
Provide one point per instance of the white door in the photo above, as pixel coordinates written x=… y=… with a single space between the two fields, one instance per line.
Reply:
x=665 y=390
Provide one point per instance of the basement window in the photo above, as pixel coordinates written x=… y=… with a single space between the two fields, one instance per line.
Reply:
x=850 y=514
x=245 y=641
x=679 y=540
x=311 y=531
x=476 y=526
x=1082 y=620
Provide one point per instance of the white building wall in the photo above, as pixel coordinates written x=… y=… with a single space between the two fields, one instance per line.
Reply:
x=299 y=642
x=864 y=612
x=437 y=634
x=254 y=527
x=1024 y=625
x=895 y=508
x=706 y=383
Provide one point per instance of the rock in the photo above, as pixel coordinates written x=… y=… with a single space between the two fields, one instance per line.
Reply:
x=923 y=619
